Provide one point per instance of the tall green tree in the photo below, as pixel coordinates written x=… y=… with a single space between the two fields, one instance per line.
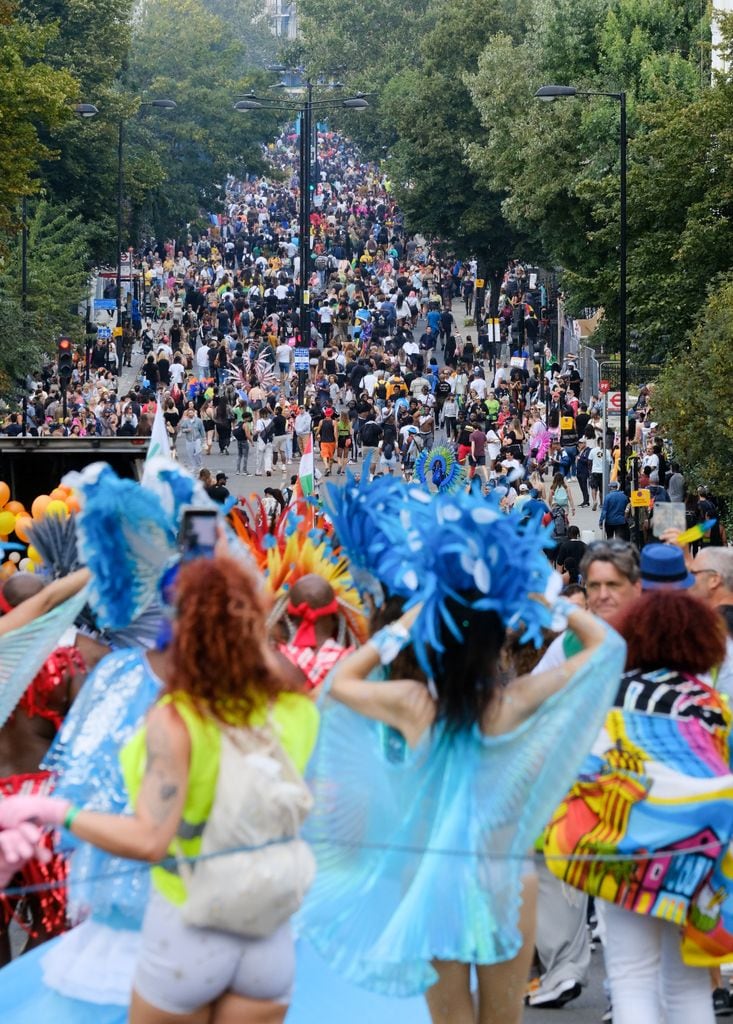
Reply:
x=58 y=281
x=34 y=96
x=442 y=192
x=90 y=39
x=691 y=399
x=370 y=43
x=559 y=164
x=183 y=51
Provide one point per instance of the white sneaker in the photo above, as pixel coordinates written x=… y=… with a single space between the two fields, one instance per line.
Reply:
x=555 y=997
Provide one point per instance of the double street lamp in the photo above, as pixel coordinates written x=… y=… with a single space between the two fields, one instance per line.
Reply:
x=88 y=110
x=305 y=116
x=555 y=92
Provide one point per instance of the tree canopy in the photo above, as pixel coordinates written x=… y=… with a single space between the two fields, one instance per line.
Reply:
x=691 y=398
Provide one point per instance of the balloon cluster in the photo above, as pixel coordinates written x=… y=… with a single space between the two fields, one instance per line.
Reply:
x=16 y=519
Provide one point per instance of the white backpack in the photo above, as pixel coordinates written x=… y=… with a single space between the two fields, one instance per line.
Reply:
x=260 y=799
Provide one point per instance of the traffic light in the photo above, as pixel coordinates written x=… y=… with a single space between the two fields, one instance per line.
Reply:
x=65 y=360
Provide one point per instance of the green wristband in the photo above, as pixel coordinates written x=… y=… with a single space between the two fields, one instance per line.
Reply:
x=71 y=815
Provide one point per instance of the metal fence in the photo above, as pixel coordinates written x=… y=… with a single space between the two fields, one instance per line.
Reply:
x=637 y=374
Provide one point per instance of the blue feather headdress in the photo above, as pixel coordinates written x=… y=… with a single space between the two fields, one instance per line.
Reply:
x=445 y=551
x=125 y=538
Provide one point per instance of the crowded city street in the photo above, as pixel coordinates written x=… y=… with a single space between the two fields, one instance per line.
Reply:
x=366 y=598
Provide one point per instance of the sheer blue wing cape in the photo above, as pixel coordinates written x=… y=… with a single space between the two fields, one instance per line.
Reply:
x=423 y=859
x=23 y=651
x=85 y=759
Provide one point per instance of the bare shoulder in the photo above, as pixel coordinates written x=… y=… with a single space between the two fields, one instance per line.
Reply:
x=167 y=734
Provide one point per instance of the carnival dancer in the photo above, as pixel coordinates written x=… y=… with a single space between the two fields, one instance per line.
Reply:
x=655 y=791
x=24 y=740
x=422 y=865
x=315 y=648
x=224 y=680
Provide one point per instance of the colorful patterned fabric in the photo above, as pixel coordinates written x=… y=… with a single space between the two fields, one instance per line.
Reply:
x=657 y=786
x=315 y=663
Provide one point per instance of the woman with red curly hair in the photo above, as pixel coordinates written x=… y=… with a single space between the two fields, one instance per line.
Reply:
x=226 y=676
x=656 y=792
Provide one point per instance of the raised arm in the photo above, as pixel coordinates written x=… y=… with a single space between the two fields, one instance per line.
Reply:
x=44 y=601
x=404 y=704
x=525 y=695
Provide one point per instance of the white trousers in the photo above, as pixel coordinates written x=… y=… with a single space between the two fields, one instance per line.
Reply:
x=649 y=982
x=263 y=458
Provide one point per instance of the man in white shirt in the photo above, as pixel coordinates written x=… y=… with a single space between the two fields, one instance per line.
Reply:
x=502 y=374
x=417 y=385
x=325 y=315
x=478 y=384
x=369 y=382
x=202 y=359
x=598 y=456
x=302 y=425
x=283 y=354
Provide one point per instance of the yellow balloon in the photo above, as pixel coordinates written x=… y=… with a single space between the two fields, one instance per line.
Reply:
x=7 y=522
x=33 y=554
x=27 y=565
x=54 y=508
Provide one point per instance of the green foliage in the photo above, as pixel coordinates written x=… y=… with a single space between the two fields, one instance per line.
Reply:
x=435 y=124
x=58 y=278
x=90 y=39
x=373 y=42
x=692 y=398
x=558 y=164
x=32 y=95
x=185 y=52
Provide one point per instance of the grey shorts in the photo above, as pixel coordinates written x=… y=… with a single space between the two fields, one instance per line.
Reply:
x=181 y=969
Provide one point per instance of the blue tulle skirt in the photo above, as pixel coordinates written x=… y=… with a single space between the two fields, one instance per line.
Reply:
x=320 y=995
x=421 y=853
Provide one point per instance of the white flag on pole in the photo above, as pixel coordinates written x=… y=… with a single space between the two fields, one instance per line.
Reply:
x=159 y=447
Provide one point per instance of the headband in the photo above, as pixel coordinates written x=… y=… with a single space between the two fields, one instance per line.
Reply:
x=306 y=634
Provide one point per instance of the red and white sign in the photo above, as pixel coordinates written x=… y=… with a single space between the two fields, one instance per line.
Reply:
x=614 y=401
x=604 y=386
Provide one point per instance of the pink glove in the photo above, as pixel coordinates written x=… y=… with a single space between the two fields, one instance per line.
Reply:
x=44 y=810
x=18 y=845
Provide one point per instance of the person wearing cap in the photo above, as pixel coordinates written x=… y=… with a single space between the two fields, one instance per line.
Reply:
x=522 y=498
x=219 y=491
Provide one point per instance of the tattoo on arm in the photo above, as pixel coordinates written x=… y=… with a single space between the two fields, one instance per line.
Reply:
x=160 y=770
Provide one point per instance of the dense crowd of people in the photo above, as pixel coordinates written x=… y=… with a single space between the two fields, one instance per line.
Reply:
x=367 y=641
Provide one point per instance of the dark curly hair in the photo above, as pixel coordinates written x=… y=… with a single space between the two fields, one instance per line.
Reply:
x=219 y=651
x=671 y=629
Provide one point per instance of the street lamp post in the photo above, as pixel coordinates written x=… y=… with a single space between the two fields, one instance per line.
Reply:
x=305 y=120
x=89 y=110
x=554 y=92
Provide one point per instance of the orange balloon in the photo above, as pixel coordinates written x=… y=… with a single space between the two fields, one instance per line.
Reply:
x=16 y=507
x=22 y=525
x=7 y=569
x=72 y=503
x=66 y=490
x=58 y=495
x=4 y=492
x=39 y=506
